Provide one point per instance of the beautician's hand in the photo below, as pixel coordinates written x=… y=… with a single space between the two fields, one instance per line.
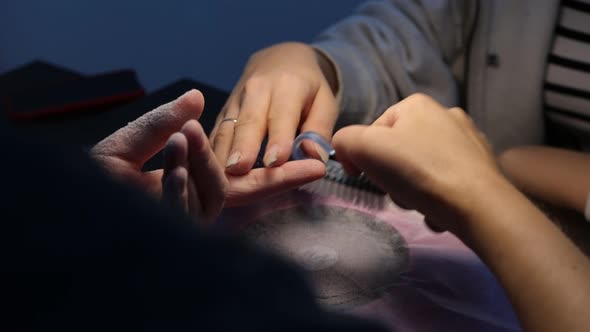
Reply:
x=283 y=88
x=123 y=154
x=425 y=156
x=435 y=161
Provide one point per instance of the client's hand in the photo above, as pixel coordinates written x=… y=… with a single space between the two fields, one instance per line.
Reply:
x=426 y=157
x=284 y=88
x=123 y=154
x=194 y=179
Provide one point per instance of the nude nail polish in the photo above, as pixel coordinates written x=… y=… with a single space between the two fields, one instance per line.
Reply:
x=233 y=159
x=321 y=152
x=270 y=157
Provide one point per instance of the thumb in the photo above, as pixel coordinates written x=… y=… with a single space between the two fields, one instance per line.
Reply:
x=143 y=138
x=349 y=148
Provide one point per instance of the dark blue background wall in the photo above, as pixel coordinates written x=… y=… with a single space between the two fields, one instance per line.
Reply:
x=162 y=40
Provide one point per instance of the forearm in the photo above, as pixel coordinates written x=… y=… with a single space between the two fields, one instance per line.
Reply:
x=543 y=273
x=555 y=176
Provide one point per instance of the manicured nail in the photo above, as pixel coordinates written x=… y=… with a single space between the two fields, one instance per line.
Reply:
x=324 y=155
x=270 y=157
x=233 y=159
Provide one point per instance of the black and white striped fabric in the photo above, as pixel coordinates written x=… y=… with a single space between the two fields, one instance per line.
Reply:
x=567 y=84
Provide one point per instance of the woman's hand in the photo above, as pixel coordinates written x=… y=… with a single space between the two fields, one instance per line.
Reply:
x=192 y=176
x=283 y=88
x=123 y=153
x=434 y=160
x=427 y=158
x=195 y=181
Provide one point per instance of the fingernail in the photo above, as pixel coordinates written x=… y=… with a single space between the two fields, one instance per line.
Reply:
x=233 y=159
x=324 y=155
x=270 y=157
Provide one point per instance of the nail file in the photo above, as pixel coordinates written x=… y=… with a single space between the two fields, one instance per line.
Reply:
x=336 y=183
x=355 y=189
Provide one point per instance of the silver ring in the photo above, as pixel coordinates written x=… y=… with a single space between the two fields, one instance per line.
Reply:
x=234 y=120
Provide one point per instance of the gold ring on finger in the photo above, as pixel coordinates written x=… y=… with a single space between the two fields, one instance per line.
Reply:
x=234 y=120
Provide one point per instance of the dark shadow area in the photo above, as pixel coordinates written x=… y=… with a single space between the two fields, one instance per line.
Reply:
x=80 y=119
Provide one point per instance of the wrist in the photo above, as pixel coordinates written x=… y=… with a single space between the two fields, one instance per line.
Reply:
x=485 y=197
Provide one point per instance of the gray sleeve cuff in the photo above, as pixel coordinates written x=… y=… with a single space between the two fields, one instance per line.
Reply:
x=356 y=95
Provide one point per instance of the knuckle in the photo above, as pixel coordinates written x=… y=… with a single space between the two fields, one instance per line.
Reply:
x=422 y=101
x=223 y=136
x=390 y=109
x=255 y=83
x=420 y=97
x=458 y=110
x=460 y=114
x=246 y=122
x=290 y=79
x=258 y=54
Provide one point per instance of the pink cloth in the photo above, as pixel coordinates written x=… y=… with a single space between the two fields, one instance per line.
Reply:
x=445 y=286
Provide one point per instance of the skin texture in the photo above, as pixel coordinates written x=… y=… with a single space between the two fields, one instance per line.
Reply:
x=436 y=162
x=283 y=88
x=555 y=176
x=192 y=177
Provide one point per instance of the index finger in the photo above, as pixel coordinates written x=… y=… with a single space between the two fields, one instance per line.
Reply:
x=417 y=101
x=264 y=182
x=143 y=138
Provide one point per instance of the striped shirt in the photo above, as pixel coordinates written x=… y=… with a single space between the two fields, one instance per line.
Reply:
x=567 y=82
